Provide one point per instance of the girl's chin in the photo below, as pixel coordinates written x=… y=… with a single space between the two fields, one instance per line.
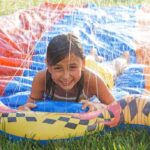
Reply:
x=66 y=88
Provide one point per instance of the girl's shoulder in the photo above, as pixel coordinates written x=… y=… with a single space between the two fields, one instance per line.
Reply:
x=40 y=76
x=91 y=81
x=41 y=73
x=90 y=74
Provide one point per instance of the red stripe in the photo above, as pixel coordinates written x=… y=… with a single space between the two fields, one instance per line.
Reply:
x=18 y=40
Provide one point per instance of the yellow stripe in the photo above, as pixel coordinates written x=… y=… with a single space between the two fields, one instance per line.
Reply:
x=103 y=72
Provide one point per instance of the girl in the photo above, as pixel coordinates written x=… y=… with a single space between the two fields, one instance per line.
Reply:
x=66 y=77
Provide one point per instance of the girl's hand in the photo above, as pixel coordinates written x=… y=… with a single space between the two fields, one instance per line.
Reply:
x=92 y=106
x=27 y=107
x=87 y=104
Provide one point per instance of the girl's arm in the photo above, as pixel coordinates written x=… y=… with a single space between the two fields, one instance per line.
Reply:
x=37 y=91
x=38 y=87
x=95 y=85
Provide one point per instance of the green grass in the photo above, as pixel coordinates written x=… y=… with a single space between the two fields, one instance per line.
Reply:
x=115 y=140
x=10 y=6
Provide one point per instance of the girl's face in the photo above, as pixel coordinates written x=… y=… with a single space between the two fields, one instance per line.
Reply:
x=67 y=72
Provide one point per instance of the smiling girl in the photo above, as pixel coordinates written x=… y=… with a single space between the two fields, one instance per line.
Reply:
x=66 y=78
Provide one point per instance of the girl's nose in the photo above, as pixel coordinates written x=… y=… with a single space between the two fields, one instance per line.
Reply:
x=66 y=74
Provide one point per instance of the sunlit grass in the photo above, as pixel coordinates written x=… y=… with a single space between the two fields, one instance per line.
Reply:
x=10 y=6
x=126 y=139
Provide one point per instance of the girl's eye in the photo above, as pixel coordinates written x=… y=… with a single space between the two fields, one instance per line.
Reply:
x=73 y=67
x=58 y=68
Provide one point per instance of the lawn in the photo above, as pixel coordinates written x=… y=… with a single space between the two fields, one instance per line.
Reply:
x=126 y=139
x=10 y=6
x=115 y=140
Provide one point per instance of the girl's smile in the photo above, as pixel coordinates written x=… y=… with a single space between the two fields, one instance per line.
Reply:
x=67 y=72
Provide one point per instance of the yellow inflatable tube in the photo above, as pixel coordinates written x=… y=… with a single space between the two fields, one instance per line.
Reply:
x=49 y=126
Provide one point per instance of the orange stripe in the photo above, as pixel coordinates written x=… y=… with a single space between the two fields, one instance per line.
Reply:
x=146 y=72
x=12 y=54
x=14 y=62
x=56 y=5
x=139 y=55
x=142 y=56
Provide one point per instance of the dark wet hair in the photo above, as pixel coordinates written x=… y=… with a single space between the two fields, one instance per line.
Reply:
x=59 y=48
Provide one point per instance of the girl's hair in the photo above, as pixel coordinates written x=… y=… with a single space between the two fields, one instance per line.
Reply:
x=60 y=47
